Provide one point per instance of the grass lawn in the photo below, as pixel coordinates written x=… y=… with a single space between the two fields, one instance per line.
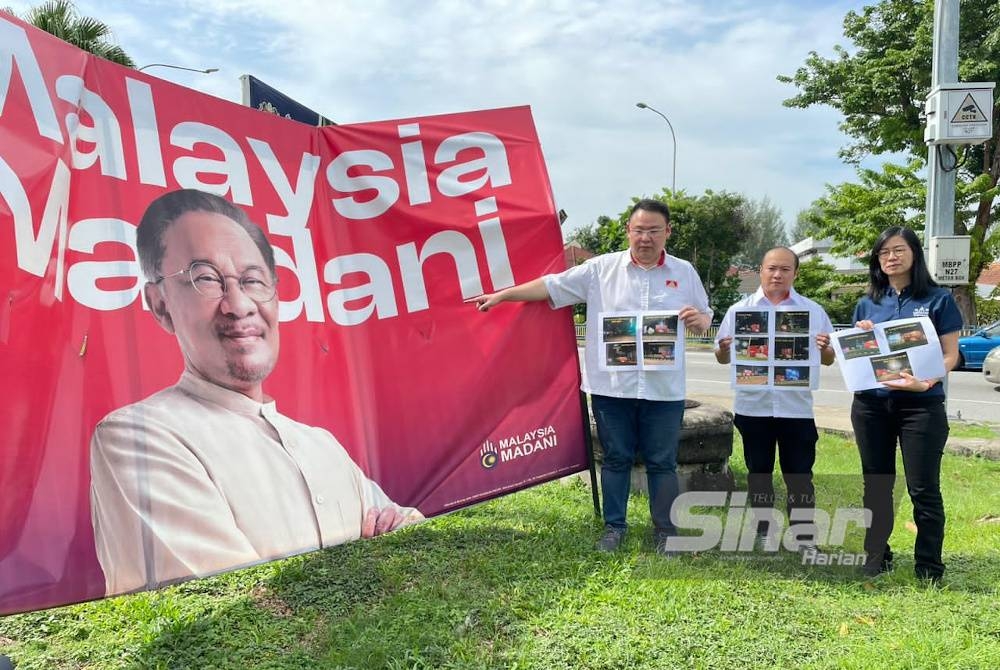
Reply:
x=971 y=429
x=514 y=583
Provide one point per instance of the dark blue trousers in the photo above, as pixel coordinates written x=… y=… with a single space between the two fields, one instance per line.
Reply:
x=650 y=428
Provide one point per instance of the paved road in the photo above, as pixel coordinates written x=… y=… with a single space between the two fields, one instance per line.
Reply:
x=969 y=396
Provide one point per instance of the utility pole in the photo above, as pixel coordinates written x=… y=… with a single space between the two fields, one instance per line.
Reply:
x=958 y=113
x=940 y=209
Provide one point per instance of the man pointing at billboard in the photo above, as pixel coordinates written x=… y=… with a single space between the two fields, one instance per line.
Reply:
x=636 y=411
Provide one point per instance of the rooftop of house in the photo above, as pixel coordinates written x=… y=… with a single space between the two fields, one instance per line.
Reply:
x=575 y=254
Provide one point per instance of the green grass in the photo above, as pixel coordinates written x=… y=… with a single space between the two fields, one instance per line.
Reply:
x=971 y=429
x=514 y=583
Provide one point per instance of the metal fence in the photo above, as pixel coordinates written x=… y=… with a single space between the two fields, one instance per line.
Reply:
x=713 y=330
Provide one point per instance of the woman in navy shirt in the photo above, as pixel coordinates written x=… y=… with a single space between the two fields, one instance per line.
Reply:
x=909 y=411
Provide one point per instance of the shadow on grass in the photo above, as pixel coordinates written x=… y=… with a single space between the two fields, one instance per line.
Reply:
x=455 y=586
x=467 y=590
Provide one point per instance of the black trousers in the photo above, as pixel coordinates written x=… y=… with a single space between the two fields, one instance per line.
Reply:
x=796 y=450
x=920 y=426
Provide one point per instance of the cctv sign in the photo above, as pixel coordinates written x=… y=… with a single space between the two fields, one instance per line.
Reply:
x=960 y=113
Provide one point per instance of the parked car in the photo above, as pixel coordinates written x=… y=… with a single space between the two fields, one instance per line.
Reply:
x=972 y=349
x=991 y=366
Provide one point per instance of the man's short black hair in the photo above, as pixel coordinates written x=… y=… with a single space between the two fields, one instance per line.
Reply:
x=164 y=211
x=650 y=205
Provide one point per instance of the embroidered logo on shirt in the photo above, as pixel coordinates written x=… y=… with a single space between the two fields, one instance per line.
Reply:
x=671 y=283
x=921 y=311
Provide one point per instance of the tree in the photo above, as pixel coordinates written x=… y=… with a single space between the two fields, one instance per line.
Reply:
x=806 y=224
x=855 y=214
x=766 y=230
x=988 y=308
x=708 y=231
x=880 y=88
x=724 y=295
x=835 y=292
x=60 y=18
x=599 y=237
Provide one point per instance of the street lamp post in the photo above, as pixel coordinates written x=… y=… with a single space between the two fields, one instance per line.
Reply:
x=209 y=70
x=673 y=173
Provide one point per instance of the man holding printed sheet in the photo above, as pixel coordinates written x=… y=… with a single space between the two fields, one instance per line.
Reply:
x=768 y=415
x=636 y=394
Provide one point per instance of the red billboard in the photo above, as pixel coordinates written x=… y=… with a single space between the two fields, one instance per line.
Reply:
x=379 y=232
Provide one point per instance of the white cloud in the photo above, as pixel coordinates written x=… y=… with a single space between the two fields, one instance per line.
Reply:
x=582 y=66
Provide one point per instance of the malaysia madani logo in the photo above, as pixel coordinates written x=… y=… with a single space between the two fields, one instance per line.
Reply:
x=488 y=456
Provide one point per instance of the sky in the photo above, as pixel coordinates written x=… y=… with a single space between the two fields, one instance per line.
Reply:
x=582 y=65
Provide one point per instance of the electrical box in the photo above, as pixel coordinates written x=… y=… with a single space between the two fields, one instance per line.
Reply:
x=960 y=113
x=948 y=257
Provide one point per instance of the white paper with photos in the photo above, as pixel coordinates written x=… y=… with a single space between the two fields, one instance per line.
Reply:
x=651 y=340
x=774 y=348
x=868 y=358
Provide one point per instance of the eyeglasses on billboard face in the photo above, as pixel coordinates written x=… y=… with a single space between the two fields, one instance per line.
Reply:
x=208 y=281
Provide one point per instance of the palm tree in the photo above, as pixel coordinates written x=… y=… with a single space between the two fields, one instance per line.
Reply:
x=60 y=18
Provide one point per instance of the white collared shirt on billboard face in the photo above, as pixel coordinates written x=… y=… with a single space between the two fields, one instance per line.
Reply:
x=197 y=479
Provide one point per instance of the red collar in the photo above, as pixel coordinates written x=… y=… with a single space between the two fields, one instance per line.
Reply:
x=661 y=261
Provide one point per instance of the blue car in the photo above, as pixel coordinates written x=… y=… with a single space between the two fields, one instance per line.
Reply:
x=973 y=348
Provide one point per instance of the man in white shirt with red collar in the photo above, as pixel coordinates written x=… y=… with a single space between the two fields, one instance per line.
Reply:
x=766 y=417
x=636 y=410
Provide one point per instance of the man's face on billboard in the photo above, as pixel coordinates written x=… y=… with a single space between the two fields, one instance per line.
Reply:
x=232 y=340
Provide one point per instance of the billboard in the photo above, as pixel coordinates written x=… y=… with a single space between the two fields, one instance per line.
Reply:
x=387 y=389
x=259 y=95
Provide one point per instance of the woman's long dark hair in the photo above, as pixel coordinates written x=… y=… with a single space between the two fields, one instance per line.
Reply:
x=920 y=277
